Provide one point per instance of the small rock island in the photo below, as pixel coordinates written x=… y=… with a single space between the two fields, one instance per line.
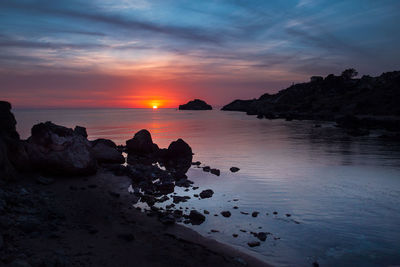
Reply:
x=196 y=104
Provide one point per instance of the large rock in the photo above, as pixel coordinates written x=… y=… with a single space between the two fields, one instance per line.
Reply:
x=12 y=152
x=178 y=158
x=141 y=144
x=61 y=151
x=105 y=151
x=196 y=104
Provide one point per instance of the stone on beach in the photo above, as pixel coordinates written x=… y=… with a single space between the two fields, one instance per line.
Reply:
x=226 y=214
x=234 y=169
x=59 y=150
x=105 y=151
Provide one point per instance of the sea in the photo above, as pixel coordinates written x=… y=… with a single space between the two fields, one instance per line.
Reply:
x=336 y=198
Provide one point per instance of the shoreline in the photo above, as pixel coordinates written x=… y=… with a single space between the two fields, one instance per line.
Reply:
x=96 y=208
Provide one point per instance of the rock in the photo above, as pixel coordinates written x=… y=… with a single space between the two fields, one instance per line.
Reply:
x=214 y=231
x=197 y=163
x=245 y=213
x=178 y=199
x=141 y=144
x=255 y=214
x=315 y=264
x=253 y=244
x=234 y=169
x=58 y=150
x=235 y=235
x=226 y=213
x=275 y=213
x=105 y=151
x=196 y=217
x=206 y=169
x=288 y=215
x=235 y=207
x=262 y=236
x=79 y=130
x=206 y=193
x=178 y=158
x=206 y=212
x=196 y=104
x=215 y=172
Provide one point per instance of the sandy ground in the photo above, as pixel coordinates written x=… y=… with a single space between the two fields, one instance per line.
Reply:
x=99 y=228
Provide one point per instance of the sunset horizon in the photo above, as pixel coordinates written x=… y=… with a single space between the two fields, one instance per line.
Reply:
x=173 y=133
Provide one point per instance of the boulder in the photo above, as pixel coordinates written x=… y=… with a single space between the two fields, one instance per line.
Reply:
x=178 y=158
x=196 y=217
x=59 y=150
x=226 y=214
x=105 y=151
x=206 y=193
x=141 y=144
x=196 y=104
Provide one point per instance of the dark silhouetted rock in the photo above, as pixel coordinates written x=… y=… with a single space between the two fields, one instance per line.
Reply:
x=59 y=150
x=105 y=151
x=253 y=244
x=234 y=169
x=255 y=214
x=196 y=217
x=141 y=144
x=178 y=158
x=226 y=213
x=215 y=172
x=206 y=193
x=196 y=104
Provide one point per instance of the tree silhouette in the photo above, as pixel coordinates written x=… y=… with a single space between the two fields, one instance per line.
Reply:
x=349 y=73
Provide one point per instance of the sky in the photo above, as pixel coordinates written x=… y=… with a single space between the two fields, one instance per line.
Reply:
x=141 y=53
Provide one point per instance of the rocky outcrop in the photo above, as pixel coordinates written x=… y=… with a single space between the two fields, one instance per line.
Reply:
x=61 y=151
x=196 y=104
x=13 y=155
x=141 y=144
x=373 y=100
x=105 y=151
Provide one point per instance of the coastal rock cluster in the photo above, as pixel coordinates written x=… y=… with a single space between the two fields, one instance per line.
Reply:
x=370 y=102
x=196 y=104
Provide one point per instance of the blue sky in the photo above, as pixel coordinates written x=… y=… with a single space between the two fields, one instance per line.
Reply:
x=80 y=52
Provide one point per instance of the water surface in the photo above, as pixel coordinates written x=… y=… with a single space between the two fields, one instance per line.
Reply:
x=343 y=193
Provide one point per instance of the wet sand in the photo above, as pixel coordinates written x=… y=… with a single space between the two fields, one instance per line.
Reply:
x=91 y=222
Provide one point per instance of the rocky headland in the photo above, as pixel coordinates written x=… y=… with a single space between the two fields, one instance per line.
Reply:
x=64 y=201
x=355 y=104
x=196 y=104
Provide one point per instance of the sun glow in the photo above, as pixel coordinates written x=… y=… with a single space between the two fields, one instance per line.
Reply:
x=155 y=107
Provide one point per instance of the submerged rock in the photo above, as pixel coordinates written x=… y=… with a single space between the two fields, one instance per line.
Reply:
x=206 y=193
x=215 y=172
x=253 y=244
x=226 y=214
x=196 y=104
x=60 y=151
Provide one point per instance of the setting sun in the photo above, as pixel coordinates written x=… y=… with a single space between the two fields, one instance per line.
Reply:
x=155 y=107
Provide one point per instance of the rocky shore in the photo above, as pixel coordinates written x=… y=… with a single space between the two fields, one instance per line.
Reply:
x=358 y=105
x=64 y=201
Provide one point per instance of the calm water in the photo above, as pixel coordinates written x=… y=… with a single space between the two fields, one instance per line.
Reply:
x=343 y=192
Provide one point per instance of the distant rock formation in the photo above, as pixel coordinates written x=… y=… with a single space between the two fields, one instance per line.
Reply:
x=196 y=104
x=374 y=101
